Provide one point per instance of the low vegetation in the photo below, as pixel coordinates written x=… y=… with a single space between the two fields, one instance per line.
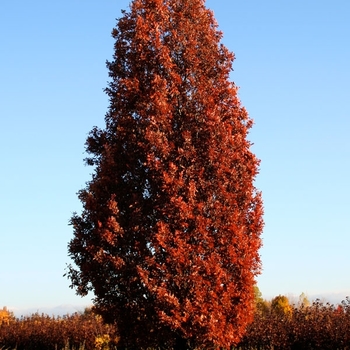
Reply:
x=84 y=331
x=277 y=325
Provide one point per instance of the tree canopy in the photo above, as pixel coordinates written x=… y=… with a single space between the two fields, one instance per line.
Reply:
x=169 y=235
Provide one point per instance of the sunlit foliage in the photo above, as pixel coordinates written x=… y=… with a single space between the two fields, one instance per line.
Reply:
x=6 y=316
x=169 y=235
x=38 y=331
x=280 y=305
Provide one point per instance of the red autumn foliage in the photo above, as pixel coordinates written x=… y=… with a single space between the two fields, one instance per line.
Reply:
x=169 y=235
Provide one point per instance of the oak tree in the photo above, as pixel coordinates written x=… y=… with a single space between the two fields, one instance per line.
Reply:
x=280 y=305
x=6 y=316
x=303 y=301
x=262 y=306
x=169 y=236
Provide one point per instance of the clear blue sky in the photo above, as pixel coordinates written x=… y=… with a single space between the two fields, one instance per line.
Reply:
x=292 y=66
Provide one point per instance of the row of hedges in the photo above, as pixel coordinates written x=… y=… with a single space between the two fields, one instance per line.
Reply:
x=320 y=326
x=78 y=331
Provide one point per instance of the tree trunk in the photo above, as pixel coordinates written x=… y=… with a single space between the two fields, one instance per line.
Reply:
x=180 y=343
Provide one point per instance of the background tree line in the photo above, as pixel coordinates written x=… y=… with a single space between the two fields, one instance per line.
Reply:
x=277 y=325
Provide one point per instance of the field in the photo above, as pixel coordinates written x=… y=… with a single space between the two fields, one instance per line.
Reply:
x=84 y=331
x=320 y=326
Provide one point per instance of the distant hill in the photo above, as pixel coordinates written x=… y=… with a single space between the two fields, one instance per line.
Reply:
x=59 y=310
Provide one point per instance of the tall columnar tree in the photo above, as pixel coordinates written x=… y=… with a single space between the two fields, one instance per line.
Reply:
x=169 y=234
